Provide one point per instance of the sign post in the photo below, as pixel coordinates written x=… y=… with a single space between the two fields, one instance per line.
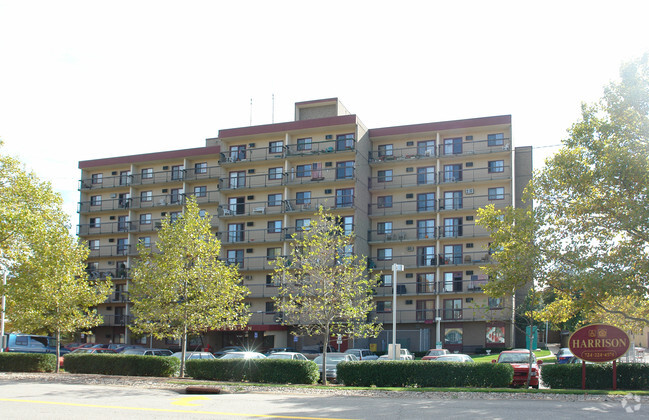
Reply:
x=599 y=343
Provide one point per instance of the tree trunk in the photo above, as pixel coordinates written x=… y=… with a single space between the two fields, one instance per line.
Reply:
x=58 y=350
x=183 y=344
x=324 y=356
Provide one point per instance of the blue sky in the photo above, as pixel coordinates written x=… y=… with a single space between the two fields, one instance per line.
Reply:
x=89 y=79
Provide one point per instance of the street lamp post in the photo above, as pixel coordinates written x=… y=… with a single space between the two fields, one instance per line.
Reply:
x=395 y=268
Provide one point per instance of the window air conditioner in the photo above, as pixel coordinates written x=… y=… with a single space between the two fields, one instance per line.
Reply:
x=469 y=191
x=411 y=248
x=247 y=277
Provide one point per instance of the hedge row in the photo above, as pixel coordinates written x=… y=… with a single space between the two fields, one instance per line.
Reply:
x=422 y=373
x=126 y=365
x=27 y=362
x=258 y=370
x=598 y=376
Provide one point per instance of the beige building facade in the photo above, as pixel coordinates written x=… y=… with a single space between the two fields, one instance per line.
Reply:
x=409 y=194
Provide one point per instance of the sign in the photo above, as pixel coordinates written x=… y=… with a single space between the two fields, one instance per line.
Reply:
x=340 y=339
x=535 y=334
x=599 y=343
x=295 y=338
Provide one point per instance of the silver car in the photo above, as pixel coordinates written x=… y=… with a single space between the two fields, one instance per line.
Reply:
x=193 y=355
x=243 y=355
x=461 y=358
x=332 y=363
x=287 y=355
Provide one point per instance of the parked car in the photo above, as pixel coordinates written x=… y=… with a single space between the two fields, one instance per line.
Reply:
x=362 y=354
x=460 y=358
x=148 y=352
x=80 y=346
x=30 y=343
x=289 y=355
x=126 y=347
x=193 y=355
x=92 y=350
x=519 y=359
x=110 y=346
x=332 y=363
x=243 y=355
x=280 y=349
x=434 y=354
x=227 y=349
x=405 y=355
x=563 y=355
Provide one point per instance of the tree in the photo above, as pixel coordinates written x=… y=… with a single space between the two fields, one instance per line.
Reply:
x=325 y=288
x=184 y=287
x=49 y=290
x=586 y=241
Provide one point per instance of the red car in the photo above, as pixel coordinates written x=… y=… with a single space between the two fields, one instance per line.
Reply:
x=435 y=353
x=519 y=359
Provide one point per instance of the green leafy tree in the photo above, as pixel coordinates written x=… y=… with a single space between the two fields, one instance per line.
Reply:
x=184 y=287
x=49 y=290
x=586 y=240
x=325 y=289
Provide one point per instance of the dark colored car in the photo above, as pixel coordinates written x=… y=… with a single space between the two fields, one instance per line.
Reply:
x=564 y=355
x=519 y=359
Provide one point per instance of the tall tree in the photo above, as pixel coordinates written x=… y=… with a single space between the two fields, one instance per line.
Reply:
x=589 y=230
x=184 y=287
x=49 y=290
x=325 y=288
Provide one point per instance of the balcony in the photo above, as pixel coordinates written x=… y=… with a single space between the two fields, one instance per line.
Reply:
x=265 y=318
x=160 y=177
x=118 y=297
x=252 y=155
x=116 y=320
x=430 y=260
x=402 y=181
x=193 y=174
x=474 y=147
x=461 y=231
x=111 y=251
x=320 y=147
x=252 y=263
x=472 y=202
x=253 y=235
x=114 y=273
x=125 y=203
x=405 y=153
x=427 y=316
x=259 y=208
x=116 y=181
x=401 y=235
x=475 y=175
x=402 y=207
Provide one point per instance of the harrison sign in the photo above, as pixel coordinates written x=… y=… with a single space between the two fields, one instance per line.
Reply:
x=599 y=343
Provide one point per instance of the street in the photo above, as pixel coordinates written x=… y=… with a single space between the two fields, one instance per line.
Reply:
x=21 y=399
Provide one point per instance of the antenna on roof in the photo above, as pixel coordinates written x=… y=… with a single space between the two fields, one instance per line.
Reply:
x=250 y=111
x=273 y=119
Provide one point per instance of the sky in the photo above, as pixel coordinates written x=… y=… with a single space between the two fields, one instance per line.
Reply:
x=87 y=79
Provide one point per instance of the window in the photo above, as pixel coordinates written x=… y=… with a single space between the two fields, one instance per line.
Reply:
x=344 y=141
x=270 y=307
x=425 y=310
x=453 y=281
x=146 y=195
x=145 y=241
x=235 y=232
x=93 y=244
x=453 y=146
x=273 y=253
x=275 y=226
x=274 y=199
x=97 y=178
x=95 y=222
x=384 y=254
x=236 y=205
x=122 y=224
x=303 y=197
x=452 y=173
x=173 y=216
x=385 y=176
x=124 y=200
x=425 y=256
x=426 y=148
x=237 y=153
x=145 y=219
x=276 y=147
x=345 y=197
x=177 y=172
x=304 y=144
x=452 y=200
x=495 y=139
x=237 y=179
x=426 y=283
x=426 y=175
x=495 y=303
x=147 y=173
x=302 y=224
x=200 y=168
x=176 y=194
x=95 y=200
x=386 y=279
x=497 y=193
x=452 y=254
x=386 y=150
x=235 y=256
x=347 y=223
x=383 y=228
x=125 y=178
x=384 y=306
x=275 y=173
x=453 y=335
x=384 y=201
x=345 y=170
x=453 y=227
x=426 y=202
x=452 y=309
x=303 y=170
x=122 y=246
x=200 y=191
x=426 y=229
x=496 y=166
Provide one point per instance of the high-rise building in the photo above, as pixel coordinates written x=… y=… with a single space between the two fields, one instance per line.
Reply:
x=409 y=193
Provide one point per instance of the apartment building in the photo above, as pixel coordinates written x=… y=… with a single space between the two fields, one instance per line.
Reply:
x=409 y=193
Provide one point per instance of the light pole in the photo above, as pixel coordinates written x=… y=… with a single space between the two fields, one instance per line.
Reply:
x=395 y=268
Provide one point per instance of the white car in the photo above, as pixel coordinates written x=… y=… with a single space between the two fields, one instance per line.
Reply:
x=405 y=355
x=362 y=354
x=332 y=363
x=242 y=355
x=193 y=355
x=287 y=355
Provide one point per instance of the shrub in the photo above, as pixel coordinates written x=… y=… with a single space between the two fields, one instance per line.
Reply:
x=422 y=373
x=27 y=362
x=258 y=370
x=127 y=365
x=598 y=376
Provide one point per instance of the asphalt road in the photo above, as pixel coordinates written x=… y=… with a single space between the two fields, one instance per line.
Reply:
x=31 y=400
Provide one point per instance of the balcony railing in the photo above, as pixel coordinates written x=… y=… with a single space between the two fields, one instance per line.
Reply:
x=111 y=251
x=427 y=316
x=285 y=206
x=118 y=297
x=402 y=207
x=475 y=174
x=472 y=147
x=410 y=287
x=211 y=172
x=417 y=260
x=472 y=202
x=327 y=146
x=114 y=273
x=252 y=263
x=106 y=182
x=116 y=320
x=253 y=235
x=461 y=231
x=401 y=181
x=160 y=177
x=401 y=235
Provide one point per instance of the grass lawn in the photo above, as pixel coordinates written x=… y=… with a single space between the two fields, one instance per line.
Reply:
x=545 y=355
